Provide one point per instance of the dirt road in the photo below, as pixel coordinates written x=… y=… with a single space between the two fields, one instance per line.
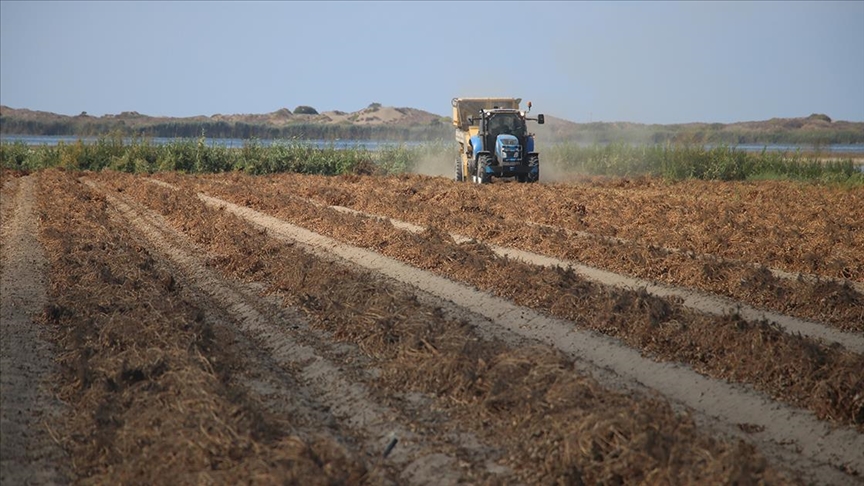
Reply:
x=28 y=454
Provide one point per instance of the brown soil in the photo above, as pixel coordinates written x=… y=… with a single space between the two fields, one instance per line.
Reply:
x=349 y=226
x=673 y=234
x=199 y=341
x=792 y=368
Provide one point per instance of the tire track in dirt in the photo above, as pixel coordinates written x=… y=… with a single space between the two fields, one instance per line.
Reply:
x=696 y=300
x=780 y=274
x=699 y=301
x=791 y=435
x=557 y=425
x=490 y=215
x=281 y=391
x=29 y=455
x=415 y=455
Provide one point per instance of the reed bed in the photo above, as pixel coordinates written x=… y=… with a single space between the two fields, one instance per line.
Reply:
x=671 y=161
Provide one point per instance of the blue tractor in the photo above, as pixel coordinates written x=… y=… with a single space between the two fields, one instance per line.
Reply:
x=494 y=140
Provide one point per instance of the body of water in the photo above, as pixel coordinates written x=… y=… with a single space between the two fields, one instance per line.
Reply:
x=839 y=149
x=212 y=142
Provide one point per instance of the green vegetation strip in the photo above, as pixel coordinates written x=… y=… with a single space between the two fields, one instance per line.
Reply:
x=197 y=156
x=678 y=162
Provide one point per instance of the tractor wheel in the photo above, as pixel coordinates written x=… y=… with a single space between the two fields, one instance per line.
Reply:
x=533 y=176
x=482 y=176
x=459 y=177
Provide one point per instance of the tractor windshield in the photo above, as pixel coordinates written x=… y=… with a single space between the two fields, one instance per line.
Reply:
x=509 y=123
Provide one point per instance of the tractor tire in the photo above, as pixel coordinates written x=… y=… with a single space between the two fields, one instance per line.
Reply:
x=459 y=177
x=534 y=176
x=482 y=176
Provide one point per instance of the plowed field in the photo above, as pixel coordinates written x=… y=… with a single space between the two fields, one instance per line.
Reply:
x=413 y=330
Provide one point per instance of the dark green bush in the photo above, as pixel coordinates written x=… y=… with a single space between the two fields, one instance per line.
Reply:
x=305 y=110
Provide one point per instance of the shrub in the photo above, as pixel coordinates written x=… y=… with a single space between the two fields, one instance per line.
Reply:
x=819 y=116
x=305 y=110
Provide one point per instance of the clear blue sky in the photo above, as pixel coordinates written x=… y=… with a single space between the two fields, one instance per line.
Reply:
x=648 y=62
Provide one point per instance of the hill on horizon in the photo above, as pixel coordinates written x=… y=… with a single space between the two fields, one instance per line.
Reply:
x=403 y=124
x=374 y=114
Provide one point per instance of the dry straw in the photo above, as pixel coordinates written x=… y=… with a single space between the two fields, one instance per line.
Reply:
x=554 y=424
x=791 y=368
x=148 y=380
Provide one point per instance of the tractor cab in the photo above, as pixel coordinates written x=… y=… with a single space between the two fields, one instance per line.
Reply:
x=504 y=132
